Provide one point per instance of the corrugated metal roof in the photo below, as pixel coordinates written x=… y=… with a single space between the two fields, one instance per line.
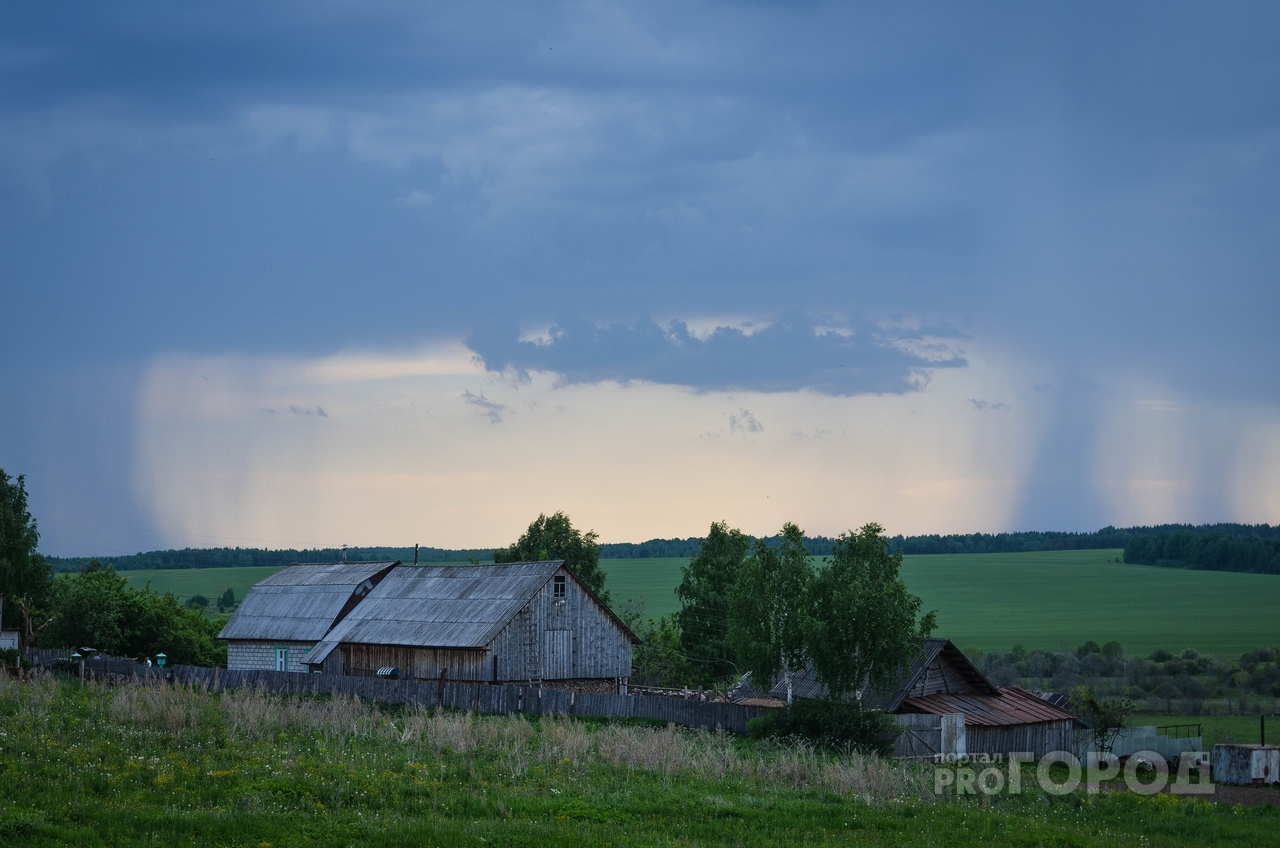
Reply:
x=451 y=606
x=319 y=653
x=299 y=603
x=326 y=573
x=1012 y=706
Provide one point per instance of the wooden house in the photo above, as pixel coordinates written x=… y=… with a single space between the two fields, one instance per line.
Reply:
x=942 y=681
x=512 y=623
x=285 y=615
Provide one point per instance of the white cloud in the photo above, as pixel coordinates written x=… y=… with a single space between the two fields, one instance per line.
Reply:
x=414 y=198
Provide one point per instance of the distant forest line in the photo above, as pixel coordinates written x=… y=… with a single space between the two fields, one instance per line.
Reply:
x=1253 y=548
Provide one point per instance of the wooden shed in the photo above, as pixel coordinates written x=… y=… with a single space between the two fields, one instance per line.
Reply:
x=942 y=681
x=1011 y=720
x=285 y=615
x=519 y=622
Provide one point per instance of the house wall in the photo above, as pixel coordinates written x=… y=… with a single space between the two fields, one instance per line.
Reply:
x=246 y=655
x=1039 y=738
x=574 y=640
x=417 y=663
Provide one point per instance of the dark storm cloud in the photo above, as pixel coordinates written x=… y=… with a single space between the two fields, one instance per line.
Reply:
x=785 y=356
x=1086 y=188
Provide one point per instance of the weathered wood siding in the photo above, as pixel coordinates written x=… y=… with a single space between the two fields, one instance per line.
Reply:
x=939 y=677
x=573 y=636
x=1039 y=738
x=417 y=663
x=925 y=736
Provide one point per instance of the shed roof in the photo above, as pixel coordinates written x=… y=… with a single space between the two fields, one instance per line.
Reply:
x=450 y=606
x=300 y=603
x=805 y=684
x=1013 y=705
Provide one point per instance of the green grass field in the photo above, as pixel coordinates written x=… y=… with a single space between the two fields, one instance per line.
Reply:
x=1243 y=730
x=1053 y=600
x=1050 y=600
x=163 y=766
x=210 y=582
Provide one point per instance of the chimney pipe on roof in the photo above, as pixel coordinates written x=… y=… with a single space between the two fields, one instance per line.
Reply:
x=415 y=554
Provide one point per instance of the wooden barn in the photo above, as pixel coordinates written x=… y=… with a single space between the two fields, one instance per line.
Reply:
x=513 y=623
x=942 y=681
x=286 y=615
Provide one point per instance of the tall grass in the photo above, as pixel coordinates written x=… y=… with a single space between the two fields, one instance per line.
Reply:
x=163 y=765
x=255 y=715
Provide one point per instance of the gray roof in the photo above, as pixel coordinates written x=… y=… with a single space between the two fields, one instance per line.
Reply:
x=300 y=603
x=449 y=606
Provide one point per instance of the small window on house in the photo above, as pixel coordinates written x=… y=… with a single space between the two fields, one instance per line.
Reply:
x=558 y=586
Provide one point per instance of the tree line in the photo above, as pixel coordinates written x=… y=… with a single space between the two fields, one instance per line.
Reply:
x=262 y=557
x=1207 y=549
x=1162 y=680
x=819 y=546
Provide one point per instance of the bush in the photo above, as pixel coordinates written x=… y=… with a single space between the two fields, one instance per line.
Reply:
x=830 y=724
x=10 y=656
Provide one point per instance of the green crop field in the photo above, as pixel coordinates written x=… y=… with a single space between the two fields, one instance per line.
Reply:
x=1063 y=599
x=1052 y=600
x=210 y=582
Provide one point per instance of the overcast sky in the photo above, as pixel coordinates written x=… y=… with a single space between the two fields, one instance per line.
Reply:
x=310 y=274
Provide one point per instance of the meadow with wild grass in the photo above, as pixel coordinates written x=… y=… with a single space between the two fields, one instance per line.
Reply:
x=161 y=765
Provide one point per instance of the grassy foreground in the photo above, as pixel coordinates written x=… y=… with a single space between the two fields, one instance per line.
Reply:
x=161 y=766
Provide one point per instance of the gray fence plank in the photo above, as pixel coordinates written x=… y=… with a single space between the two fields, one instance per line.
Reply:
x=473 y=697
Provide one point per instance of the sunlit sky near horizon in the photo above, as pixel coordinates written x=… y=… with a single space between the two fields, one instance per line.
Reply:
x=310 y=274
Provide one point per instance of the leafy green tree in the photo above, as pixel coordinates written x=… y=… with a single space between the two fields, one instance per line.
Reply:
x=159 y=623
x=768 y=613
x=864 y=626
x=25 y=576
x=554 y=537
x=199 y=602
x=98 y=608
x=89 y=609
x=658 y=659
x=704 y=591
x=227 y=599
x=1106 y=717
